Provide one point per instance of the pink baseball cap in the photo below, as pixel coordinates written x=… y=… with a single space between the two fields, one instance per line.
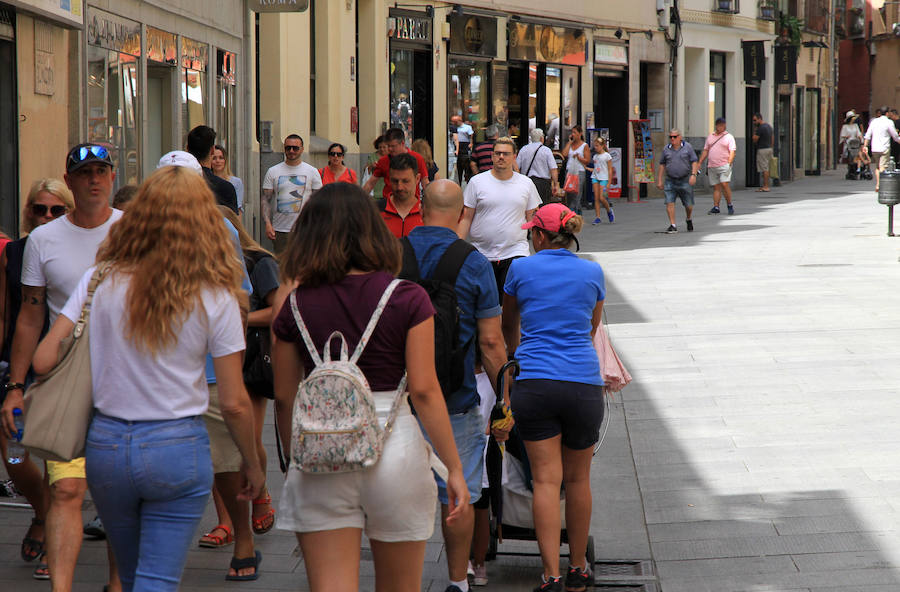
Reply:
x=551 y=217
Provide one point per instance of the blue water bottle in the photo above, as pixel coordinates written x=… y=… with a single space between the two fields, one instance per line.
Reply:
x=15 y=452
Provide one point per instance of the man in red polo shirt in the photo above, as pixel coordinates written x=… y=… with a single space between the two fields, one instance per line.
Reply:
x=401 y=210
x=396 y=144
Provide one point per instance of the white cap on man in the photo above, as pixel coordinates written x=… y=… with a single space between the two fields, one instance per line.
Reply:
x=182 y=159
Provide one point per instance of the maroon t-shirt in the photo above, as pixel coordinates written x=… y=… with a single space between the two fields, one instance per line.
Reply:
x=347 y=307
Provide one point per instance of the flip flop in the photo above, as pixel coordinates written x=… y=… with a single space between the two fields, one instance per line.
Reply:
x=31 y=547
x=263 y=524
x=761 y=190
x=215 y=541
x=239 y=564
x=42 y=571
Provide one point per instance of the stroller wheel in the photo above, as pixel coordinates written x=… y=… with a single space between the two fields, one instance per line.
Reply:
x=590 y=553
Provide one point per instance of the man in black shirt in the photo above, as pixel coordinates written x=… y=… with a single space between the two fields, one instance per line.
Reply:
x=763 y=140
x=200 y=142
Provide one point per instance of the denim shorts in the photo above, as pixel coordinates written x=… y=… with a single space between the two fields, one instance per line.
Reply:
x=468 y=432
x=546 y=408
x=601 y=182
x=679 y=189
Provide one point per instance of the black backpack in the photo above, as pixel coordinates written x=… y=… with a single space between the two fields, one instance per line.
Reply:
x=449 y=353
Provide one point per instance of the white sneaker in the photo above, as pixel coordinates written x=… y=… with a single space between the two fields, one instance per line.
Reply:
x=480 y=578
x=470 y=571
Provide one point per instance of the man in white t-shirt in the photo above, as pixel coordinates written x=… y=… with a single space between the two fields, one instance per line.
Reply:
x=286 y=187
x=56 y=256
x=497 y=203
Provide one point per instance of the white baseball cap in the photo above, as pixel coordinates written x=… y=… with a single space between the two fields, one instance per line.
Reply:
x=182 y=159
x=850 y=113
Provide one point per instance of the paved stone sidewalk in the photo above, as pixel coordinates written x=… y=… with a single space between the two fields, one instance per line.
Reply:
x=753 y=452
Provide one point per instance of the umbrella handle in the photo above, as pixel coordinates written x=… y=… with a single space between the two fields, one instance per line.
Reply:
x=501 y=379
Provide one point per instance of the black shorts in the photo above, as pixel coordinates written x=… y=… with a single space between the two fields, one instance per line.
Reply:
x=545 y=408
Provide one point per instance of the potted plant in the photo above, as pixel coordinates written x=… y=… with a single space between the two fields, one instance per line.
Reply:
x=767 y=9
x=791 y=28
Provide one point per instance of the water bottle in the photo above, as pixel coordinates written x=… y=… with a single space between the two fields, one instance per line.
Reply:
x=15 y=452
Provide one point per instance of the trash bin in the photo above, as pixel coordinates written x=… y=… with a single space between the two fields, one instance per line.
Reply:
x=889 y=192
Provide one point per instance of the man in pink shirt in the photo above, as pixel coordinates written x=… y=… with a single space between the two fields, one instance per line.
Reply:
x=720 y=147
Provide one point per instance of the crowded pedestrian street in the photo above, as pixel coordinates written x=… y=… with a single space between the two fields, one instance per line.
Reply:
x=754 y=449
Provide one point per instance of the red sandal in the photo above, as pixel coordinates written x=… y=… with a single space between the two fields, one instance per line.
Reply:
x=263 y=524
x=214 y=541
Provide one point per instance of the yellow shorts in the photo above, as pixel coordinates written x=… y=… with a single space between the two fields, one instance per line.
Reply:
x=65 y=470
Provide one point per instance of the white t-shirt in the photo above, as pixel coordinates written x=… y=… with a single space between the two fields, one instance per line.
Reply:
x=56 y=255
x=465 y=132
x=292 y=186
x=500 y=208
x=132 y=385
x=539 y=158
x=574 y=166
x=601 y=166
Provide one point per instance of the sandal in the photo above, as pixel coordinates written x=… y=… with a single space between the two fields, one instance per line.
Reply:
x=42 y=571
x=31 y=547
x=264 y=523
x=239 y=564
x=214 y=541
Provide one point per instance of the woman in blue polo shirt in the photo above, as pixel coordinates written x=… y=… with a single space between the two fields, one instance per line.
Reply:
x=557 y=401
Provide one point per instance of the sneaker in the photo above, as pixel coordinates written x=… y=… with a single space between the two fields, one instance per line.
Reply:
x=470 y=570
x=94 y=529
x=551 y=585
x=578 y=579
x=480 y=578
x=730 y=209
x=611 y=216
x=690 y=225
x=596 y=221
x=452 y=588
x=714 y=210
x=672 y=229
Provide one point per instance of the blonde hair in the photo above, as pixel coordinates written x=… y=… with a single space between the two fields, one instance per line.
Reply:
x=227 y=170
x=602 y=141
x=421 y=146
x=173 y=244
x=509 y=141
x=248 y=244
x=54 y=187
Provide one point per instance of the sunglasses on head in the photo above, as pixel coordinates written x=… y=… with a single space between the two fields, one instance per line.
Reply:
x=286 y=148
x=92 y=152
x=335 y=154
x=40 y=210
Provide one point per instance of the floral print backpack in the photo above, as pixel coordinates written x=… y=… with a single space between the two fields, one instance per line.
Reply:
x=335 y=428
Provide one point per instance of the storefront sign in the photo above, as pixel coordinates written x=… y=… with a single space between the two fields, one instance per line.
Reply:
x=786 y=64
x=643 y=151
x=278 y=5
x=409 y=28
x=69 y=13
x=544 y=43
x=194 y=54
x=473 y=35
x=161 y=46
x=113 y=32
x=608 y=53
x=754 y=61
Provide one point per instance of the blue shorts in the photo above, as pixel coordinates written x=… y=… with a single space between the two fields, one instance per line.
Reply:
x=602 y=182
x=468 y=432
x=679 y=189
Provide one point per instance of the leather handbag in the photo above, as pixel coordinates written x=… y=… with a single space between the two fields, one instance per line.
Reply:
x=60 y=404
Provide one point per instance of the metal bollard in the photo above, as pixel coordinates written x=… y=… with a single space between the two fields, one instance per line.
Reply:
x=889 y=192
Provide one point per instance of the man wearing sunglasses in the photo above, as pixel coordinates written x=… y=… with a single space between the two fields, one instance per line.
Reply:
x=56 y=256
x=678 y=167
x=286 y=187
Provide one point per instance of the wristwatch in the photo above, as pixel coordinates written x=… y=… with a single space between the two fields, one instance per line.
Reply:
x=12 y=386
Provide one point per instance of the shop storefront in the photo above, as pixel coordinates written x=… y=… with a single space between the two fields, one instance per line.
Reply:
x=411 y=71
x=545 y=79
x=147 y=87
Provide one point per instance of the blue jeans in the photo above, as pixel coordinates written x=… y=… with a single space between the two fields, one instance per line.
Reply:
x=150 y=481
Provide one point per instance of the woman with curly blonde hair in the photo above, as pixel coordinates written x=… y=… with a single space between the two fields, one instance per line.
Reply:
x=168 y=294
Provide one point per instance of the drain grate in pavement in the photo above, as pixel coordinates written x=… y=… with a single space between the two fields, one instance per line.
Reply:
x=623 y=567
x=626 y=586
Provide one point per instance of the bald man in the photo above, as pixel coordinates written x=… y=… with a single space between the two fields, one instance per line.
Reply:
x=479 y=315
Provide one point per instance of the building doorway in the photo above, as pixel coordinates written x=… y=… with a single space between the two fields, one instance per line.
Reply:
x=783 y=137
x=411 y=100
x=611 y=112
x=9 y=132
x=751 y=106
x=159 y=113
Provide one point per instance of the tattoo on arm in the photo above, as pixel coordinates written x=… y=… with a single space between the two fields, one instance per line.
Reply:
x=266 y=204
x=34 y=296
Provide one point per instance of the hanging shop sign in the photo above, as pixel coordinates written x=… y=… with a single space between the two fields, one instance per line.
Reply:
x=754 y=61
x=278 y=5
x=643 y=151
x=113 y=32
x=544 y=43
x=194 y=54
x=161 y=46
x=473 y=35
x=609 y=53
x=404 y=27
x=785 y=64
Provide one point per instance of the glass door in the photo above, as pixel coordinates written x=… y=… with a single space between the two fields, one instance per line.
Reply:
x=553 y=84
x=812 y=116
x=402 y=82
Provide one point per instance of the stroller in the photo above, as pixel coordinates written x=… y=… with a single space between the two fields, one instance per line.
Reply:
x=852 y=154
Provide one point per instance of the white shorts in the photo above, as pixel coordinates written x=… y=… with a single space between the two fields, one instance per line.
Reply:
x=720 y=174
x=394 y=501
